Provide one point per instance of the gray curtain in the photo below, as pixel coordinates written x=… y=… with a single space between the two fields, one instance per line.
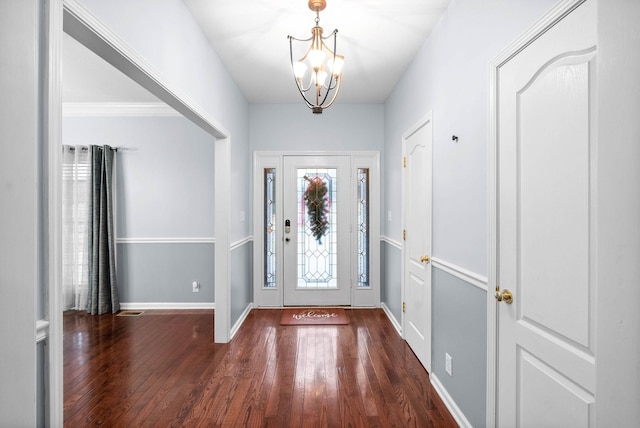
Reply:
x=103 y=287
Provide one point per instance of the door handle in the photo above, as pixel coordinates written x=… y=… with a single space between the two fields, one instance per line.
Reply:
x=425 y=259
x=504 y=296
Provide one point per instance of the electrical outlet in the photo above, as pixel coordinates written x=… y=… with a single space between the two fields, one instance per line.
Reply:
x=448 y=361
x=196 y=286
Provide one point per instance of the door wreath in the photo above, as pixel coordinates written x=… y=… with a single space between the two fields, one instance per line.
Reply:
x=317 y=201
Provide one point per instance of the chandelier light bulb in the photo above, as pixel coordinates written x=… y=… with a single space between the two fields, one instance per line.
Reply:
x=299 y=69
x=322 y=78
x=316 y=58
x=336 y=65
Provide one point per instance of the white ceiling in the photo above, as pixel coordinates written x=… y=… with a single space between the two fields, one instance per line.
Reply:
x=378 y=39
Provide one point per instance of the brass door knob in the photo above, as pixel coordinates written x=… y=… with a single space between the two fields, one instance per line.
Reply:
x=504 y=296
x=425 y=259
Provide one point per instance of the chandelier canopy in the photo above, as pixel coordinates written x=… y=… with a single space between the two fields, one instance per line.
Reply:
x=318 y=73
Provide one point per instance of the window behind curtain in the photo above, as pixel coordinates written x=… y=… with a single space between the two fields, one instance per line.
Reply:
x=76 y=188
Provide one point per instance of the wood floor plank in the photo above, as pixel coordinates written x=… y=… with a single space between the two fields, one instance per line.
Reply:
x=163 y=369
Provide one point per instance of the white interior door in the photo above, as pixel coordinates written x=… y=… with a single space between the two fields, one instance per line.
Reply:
x=546 y=253
x=317 y=240
x=417 y=215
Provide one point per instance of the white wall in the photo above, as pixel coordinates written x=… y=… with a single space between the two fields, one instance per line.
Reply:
x=618 y=317
x=292 y=127
x=165 y=178
x=165 y=34
x=449 y=76
x=21 y=212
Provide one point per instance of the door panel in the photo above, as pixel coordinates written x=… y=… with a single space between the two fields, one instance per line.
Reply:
x=554 y=174
x=546 y=234
x=417 y=209
x=566 y=404
x=317 y=235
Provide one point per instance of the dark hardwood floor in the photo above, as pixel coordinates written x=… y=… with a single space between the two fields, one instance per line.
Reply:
x=162 y=369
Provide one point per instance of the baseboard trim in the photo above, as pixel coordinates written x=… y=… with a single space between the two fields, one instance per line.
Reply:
x=241 y=320
x=448 y=402
x=392 y=318
x=166 y=305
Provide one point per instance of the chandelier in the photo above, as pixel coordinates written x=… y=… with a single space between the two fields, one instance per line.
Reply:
x=318 y=73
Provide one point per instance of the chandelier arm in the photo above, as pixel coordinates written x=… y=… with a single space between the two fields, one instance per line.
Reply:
x=291 y=39
x=335 y=94
x=330 y=88
x=301 y=90
x=331 y=34
x=301 y=40
x=331 y=79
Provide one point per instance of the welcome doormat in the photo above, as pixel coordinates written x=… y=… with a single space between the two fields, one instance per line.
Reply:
x=314 y=316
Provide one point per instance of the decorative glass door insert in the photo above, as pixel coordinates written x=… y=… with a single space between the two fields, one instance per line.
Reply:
x=316 y=230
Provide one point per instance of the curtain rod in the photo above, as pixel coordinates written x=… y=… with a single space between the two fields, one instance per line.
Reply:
x=117 y=149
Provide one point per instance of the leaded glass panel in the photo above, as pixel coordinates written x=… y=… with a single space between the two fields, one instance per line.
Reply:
x=363 y=227
x=317 y=229
x=269 y=227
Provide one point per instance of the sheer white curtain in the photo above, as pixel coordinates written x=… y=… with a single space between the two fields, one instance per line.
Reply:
x=76 y=194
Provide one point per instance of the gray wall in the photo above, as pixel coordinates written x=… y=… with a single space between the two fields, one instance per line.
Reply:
x=449 y=77
x=241 y=279
x=459 y=314
x=164 y=272
x=164 y=192
x=391 y=278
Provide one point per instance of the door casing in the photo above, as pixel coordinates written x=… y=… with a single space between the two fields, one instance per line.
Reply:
x=555 y=15
x=274 y=296
x=416 y=324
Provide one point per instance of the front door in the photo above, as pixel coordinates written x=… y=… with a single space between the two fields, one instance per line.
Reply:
x=417 y=244
x=317 y=242
x=546 y=213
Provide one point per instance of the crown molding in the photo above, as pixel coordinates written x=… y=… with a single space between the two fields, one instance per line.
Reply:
x=117 y=109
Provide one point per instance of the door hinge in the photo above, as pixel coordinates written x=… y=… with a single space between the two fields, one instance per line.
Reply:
x=404 y=234
x=404 y=307
x=404 y=161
